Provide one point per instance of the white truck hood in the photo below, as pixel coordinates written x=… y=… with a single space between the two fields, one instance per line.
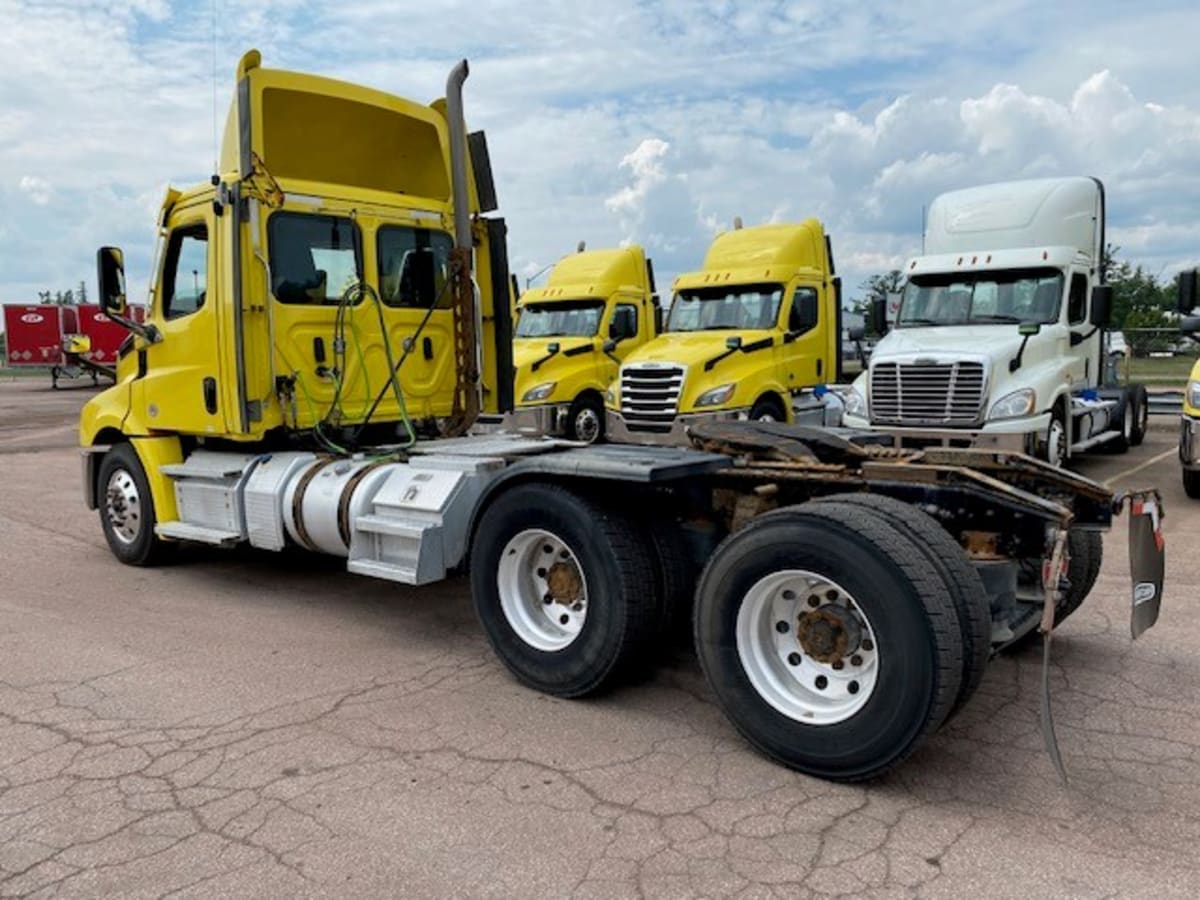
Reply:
x=999 y=343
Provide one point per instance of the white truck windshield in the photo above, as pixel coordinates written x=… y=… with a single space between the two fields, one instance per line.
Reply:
x=566 y=318
x=982 y=298
x=726 y=308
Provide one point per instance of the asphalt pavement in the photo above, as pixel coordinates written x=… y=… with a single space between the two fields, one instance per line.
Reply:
x=246 y=724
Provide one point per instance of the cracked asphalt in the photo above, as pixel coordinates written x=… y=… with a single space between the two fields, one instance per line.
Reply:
x=257 y=725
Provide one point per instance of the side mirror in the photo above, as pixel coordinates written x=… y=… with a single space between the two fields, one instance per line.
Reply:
x=1190 y=325
x=1029 y=329
x=1101 y=305
x=878 y=319
x=609 y=346
x=857 y=333
x=110 y=271
x=733 y=343
x=552 y=347
x=1187 y=292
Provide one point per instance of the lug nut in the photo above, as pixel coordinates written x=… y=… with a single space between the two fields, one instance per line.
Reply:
x=831 y=595
x=814 y=601
x=856 y=660
x=541 y=573
x=546 y=548
x=548 y=598
x=781 y=627
x=564 y=619
x=838 y=665
x=789 y=595
x=578 y=607
x=821 y=682
x=852 y=687
x=793 y=659
x=868 y=644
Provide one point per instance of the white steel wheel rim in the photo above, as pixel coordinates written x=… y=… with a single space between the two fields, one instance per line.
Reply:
x=1056 y=444
x=778 y=664
x=587 y=425
x=123 y=506
x=1127 y=425
x=543 y=591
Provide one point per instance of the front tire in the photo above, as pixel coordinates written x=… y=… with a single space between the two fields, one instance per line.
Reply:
x=585 y=419
x=127 y=509
x=767 y=409
x=1191 y=483
x=563 y=589
x=1054 y=445
x=830 y=640
x=1141 y=415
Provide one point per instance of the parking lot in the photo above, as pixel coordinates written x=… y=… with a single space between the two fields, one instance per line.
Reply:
x=249 y=724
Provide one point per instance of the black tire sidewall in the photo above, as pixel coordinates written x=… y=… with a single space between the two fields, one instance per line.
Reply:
x=140 y=551
x=584 y=663
x=768 y=405
x=896 y=713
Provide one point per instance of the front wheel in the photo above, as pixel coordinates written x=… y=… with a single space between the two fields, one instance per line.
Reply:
x=1054 y=445
x=1191 y=483
x=830 y=640
x=563 y=588
x=585 y=419
x=767 y=409
x=127 y=509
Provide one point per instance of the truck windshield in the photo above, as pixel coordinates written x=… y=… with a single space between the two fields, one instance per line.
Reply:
x=726 y=308
x=982 y=298
x=565 y=318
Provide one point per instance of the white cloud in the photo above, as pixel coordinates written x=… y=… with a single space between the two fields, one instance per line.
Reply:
x=629 y=120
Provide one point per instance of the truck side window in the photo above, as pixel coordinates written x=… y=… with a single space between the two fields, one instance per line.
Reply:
x=633 y=317
x=313 y=258
x=185 y=273
x=804 y=310
x=414 y=266
x=1077 y=302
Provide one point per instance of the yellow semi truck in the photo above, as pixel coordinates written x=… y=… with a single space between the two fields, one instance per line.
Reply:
x=596 y=308
x=328 y=322
x=758 y=323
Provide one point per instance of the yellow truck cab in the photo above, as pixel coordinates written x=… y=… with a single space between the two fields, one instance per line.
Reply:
x=312 y=294
x=748 y=332
x=1189 y=426
x=596 y=308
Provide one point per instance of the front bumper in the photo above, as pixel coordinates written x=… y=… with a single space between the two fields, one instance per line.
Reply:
x=618 y=432
x=1006 y=434
x=1189 y=442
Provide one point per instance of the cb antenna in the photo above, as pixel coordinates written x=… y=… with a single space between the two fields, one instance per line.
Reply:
x=216 y=149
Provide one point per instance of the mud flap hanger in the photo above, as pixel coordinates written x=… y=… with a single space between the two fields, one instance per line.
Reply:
x=1146 y=567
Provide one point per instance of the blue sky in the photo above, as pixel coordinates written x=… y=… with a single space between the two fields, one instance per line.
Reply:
x=628 y=120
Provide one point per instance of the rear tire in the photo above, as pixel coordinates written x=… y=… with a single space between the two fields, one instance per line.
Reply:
x=127 y=509
x=1086 y=555
x=950 y=561
x=601 y=613
x=1123 y=423
x=1141 y=415
x=793 y=703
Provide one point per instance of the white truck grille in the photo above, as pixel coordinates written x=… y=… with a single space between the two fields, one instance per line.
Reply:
x=927 y=393
x=650 y=396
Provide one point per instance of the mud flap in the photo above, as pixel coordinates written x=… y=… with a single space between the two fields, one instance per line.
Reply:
x=1147 y=559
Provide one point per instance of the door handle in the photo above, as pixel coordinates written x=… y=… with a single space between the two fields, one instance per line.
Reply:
x=427 y=348
x=210 y=395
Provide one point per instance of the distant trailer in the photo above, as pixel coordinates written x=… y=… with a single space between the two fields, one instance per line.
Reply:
x=70 y=340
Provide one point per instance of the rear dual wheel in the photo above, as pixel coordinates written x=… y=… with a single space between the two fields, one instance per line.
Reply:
x=830 y=638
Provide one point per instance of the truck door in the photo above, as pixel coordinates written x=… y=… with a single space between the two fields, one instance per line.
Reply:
x=180 y=390
x=640 y=331
x=801 y=354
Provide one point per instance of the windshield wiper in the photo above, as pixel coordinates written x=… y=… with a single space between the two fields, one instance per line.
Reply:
x=996 y=318
x=919 y=322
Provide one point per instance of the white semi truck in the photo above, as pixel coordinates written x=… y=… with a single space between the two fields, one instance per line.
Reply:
x=998 y=341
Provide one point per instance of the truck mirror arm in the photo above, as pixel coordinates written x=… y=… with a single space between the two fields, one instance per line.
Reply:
x=1077 y=338
x=1015 y=362
x=551 y=351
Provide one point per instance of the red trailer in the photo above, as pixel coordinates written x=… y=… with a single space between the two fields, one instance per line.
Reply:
x=35 y=334
x=104 y=334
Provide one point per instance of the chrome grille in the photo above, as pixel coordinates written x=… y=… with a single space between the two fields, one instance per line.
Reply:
x=650 y=396
x=927 y=393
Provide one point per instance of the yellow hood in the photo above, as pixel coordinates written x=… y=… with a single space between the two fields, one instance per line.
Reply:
x=690 y=348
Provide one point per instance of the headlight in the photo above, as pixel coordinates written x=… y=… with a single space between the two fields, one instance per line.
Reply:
x=541 y=392
x=610 y=396
x=1014 y=405
x=716 y=396
x=1193 y=393
x=856 y=404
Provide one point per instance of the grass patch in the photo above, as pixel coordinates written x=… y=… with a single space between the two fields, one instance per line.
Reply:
x=1165 y=371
